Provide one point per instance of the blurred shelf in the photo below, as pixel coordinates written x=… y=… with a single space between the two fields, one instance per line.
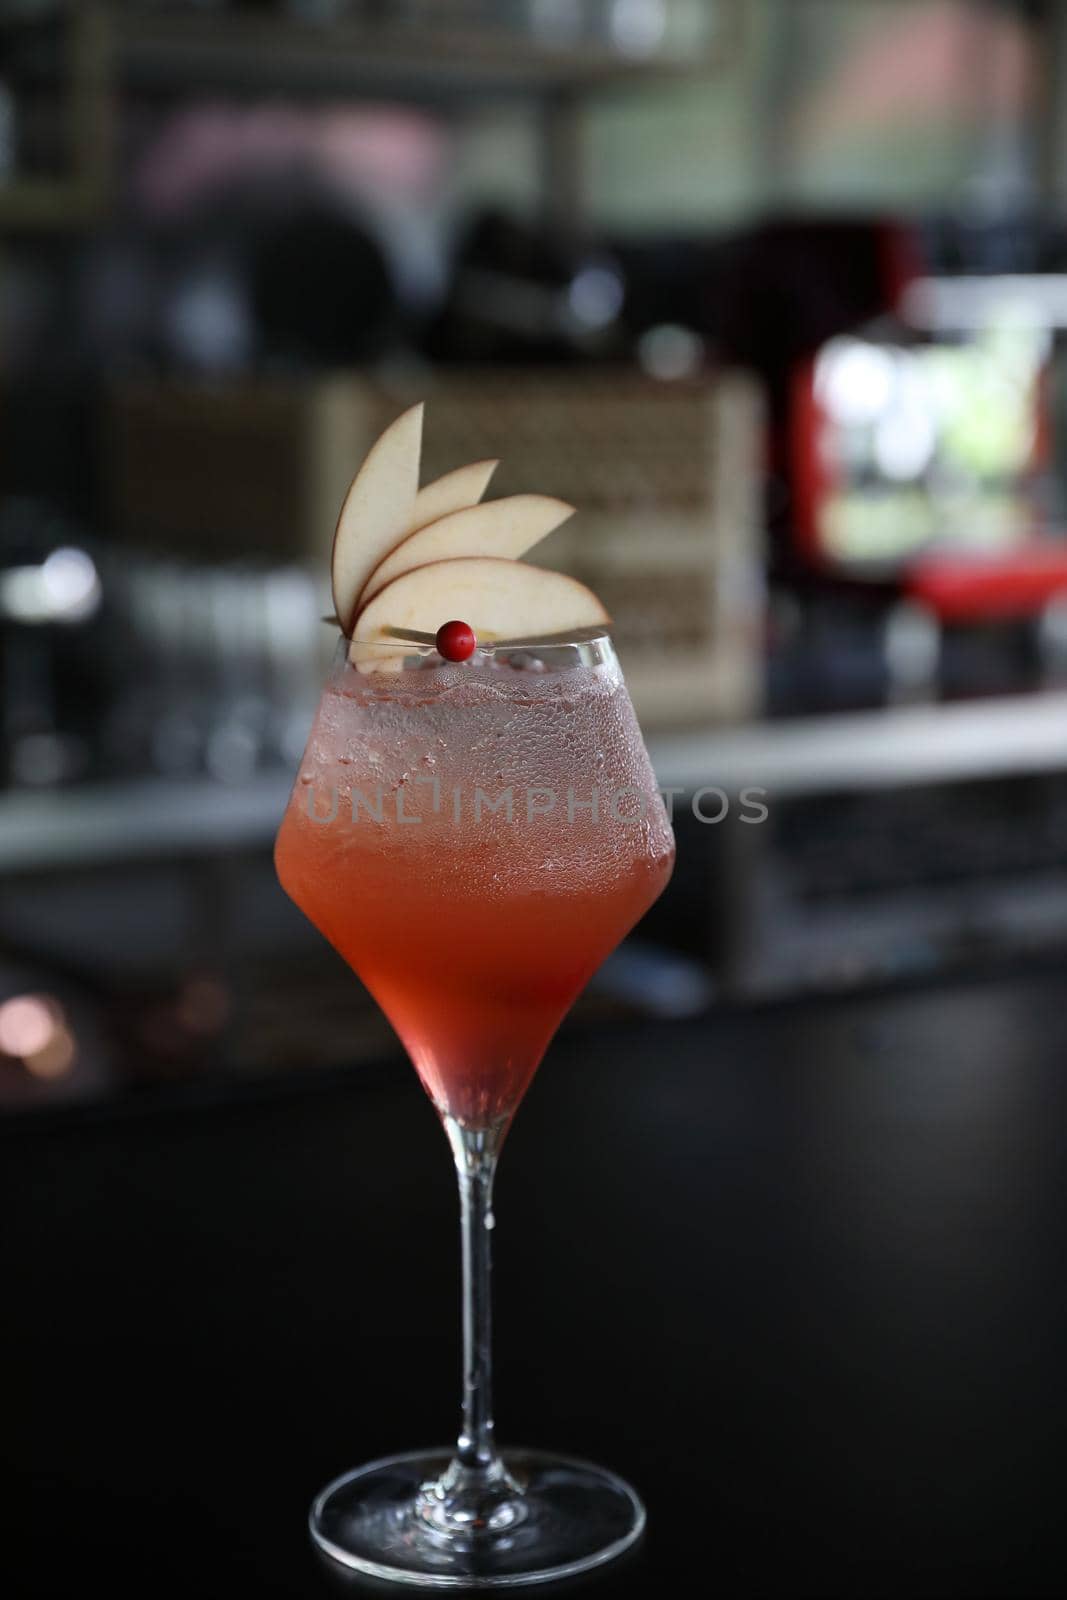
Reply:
x=103 y=823
x=256 y=53
x=149 y=817
x=905 y=746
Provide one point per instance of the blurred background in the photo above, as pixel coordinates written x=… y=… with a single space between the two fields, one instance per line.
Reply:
x=774 y=290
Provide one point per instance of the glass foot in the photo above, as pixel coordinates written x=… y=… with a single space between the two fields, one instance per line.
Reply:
x=546 y=1517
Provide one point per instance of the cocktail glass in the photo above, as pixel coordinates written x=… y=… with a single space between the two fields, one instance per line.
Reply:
x=474 y=839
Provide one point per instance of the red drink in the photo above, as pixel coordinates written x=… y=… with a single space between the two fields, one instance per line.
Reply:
x=492 y=832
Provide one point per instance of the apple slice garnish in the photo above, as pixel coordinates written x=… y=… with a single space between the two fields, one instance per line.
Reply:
x=504 y=529
x=464 y=486
x=499 y=599
x=378 y=510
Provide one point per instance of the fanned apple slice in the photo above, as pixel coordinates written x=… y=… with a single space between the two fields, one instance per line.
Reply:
x=504 y=528
x=500 y=600
x=377 y=511
x=464 y=486
x=455 y=491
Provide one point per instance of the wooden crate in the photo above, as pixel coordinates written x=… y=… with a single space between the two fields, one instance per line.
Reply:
x=666 y=478
x=235 y=469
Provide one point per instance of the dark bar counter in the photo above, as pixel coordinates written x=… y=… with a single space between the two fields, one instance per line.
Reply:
x=797 y=1271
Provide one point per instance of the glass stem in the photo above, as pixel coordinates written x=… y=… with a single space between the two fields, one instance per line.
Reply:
x=475 y=1153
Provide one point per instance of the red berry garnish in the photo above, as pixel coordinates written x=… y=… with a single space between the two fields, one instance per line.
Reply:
x=456 y=641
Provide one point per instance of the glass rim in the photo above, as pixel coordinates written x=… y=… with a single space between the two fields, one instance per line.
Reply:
x=415 y=643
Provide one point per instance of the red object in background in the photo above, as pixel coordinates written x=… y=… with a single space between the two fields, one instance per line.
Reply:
x=968 y=582
x=791 y=286
x=964 y=586
x=812 y=480
x=893 y=259
x=974 y=588
x=796 y=286
x=900 y=260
